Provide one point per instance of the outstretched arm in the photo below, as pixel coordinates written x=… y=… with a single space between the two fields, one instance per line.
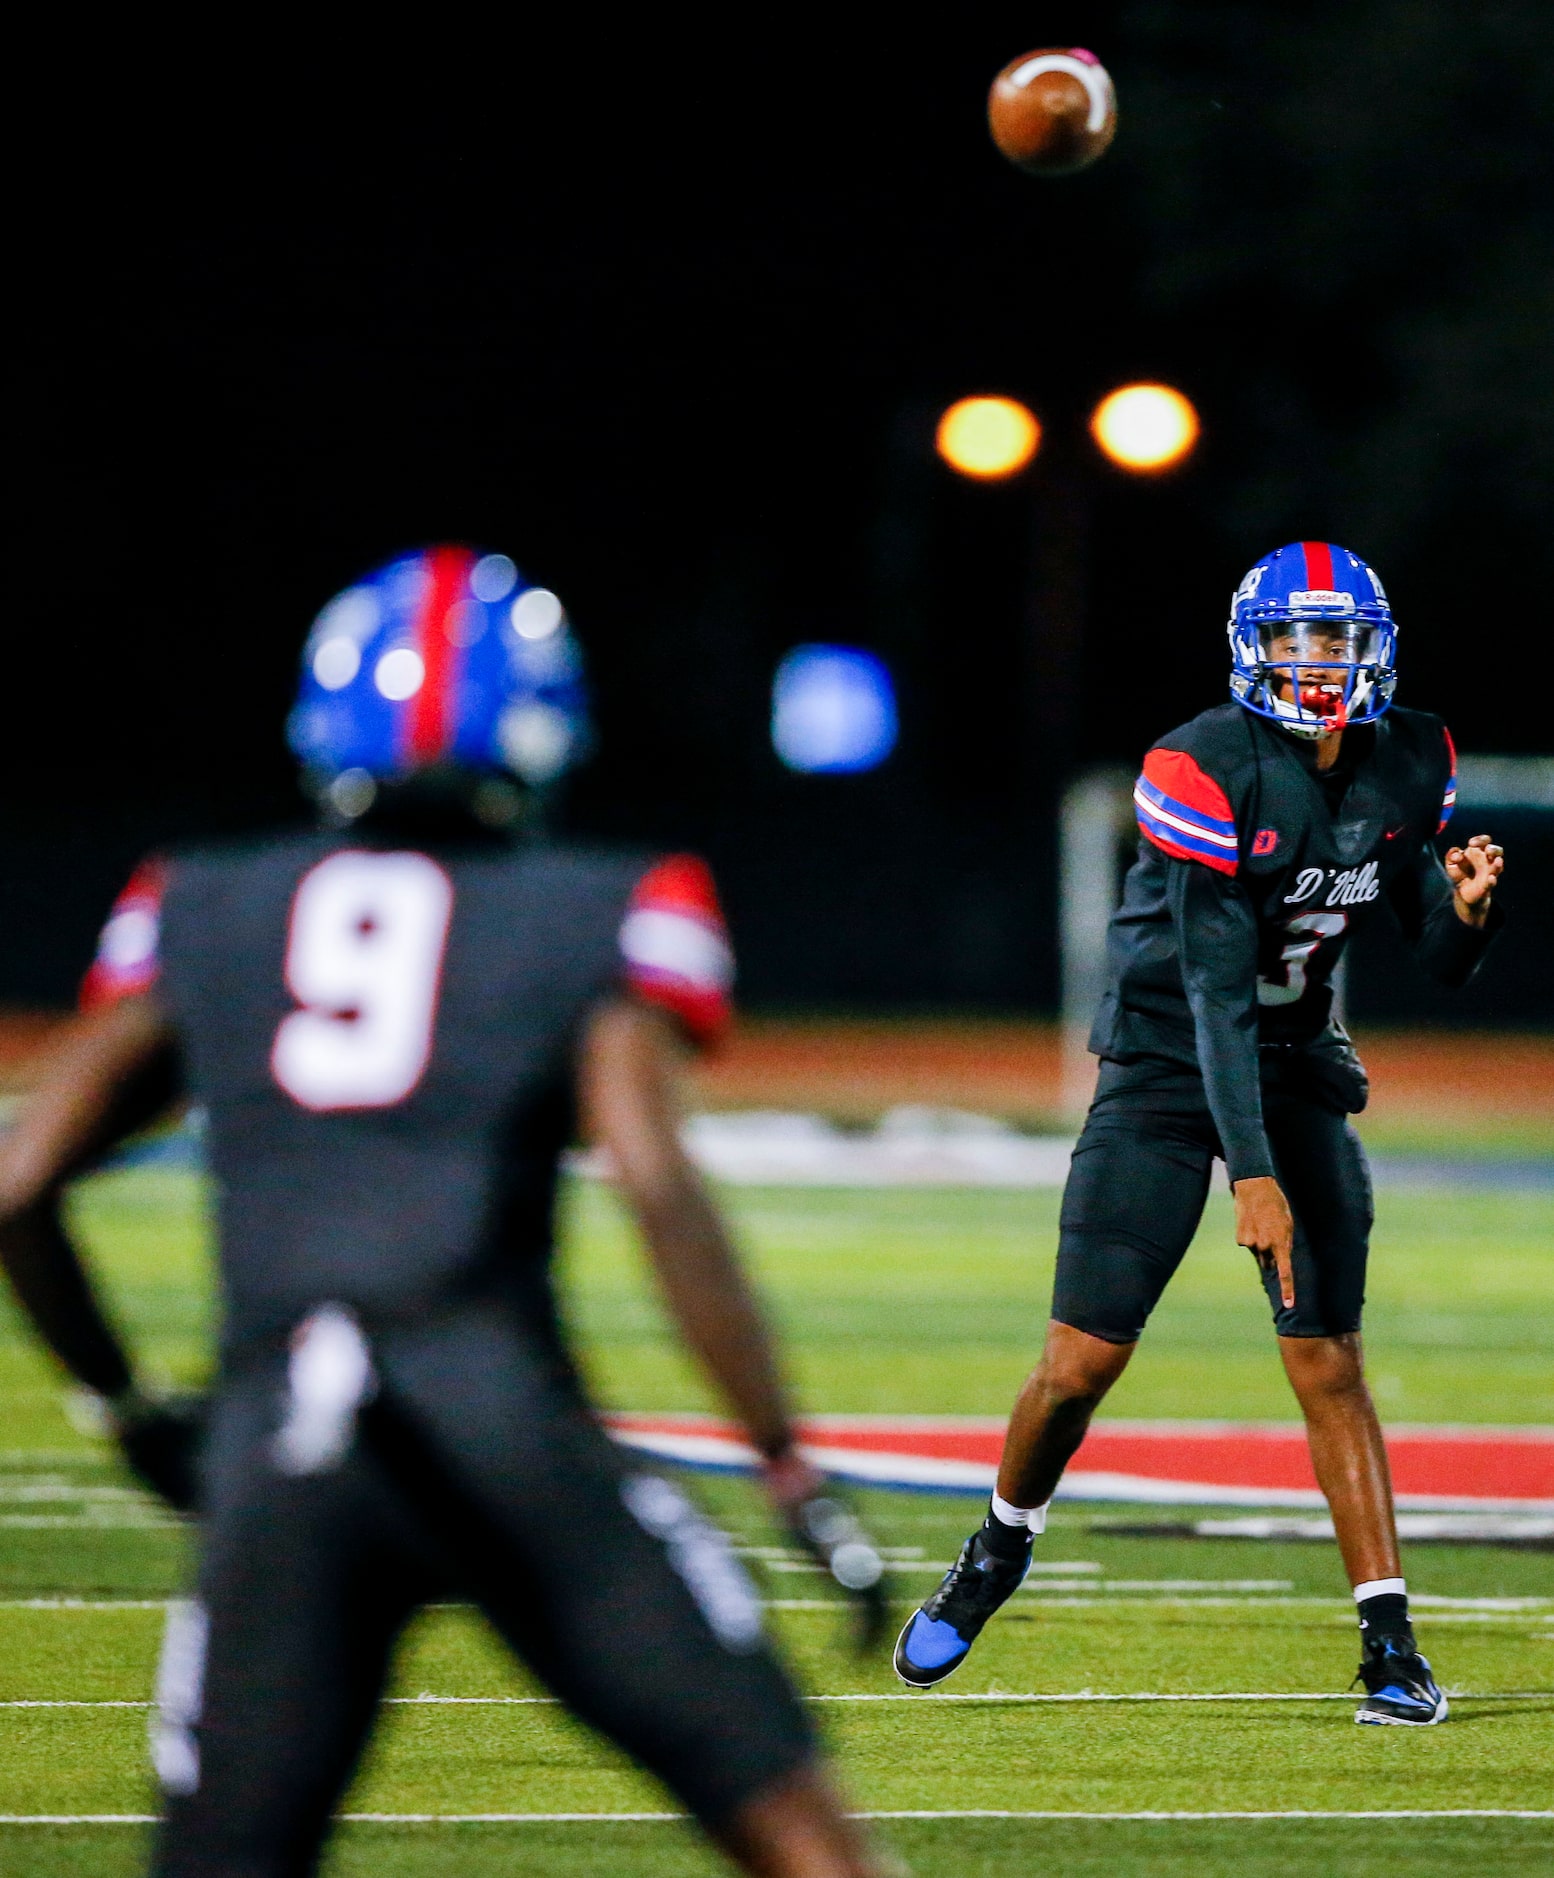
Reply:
x=111 y=1071
x=630 y=1089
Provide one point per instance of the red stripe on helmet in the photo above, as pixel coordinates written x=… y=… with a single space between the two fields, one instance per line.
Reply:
x=1319 y=566
x=428 y=732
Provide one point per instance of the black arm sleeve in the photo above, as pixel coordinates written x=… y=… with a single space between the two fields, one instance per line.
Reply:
x=1216 y=942
x=1448 y=948
x=42 y=1264
x=52 y=1287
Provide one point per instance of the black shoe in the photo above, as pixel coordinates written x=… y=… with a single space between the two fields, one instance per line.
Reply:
x=939 y=1633
x=1400 y=1688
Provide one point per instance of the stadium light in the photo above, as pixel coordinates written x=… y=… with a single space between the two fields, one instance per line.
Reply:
x=833 y=710
x=987 y=439
x=1145 y=428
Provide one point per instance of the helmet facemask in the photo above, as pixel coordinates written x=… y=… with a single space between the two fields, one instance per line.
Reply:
x=1314 y=675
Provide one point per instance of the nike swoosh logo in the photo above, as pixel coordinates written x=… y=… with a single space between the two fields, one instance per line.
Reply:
x=1393 y=833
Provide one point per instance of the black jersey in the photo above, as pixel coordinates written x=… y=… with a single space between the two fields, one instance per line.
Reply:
x=384 y=1041
x=1253 y=869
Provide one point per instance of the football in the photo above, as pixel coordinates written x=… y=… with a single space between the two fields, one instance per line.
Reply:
x=1052 y=111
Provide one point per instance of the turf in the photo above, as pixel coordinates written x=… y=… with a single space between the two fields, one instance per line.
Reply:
x=893 y=1301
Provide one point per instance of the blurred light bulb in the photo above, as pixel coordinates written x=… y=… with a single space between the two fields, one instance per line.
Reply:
x=336 y=663
x=987 y=438
x=492 y=578
x=536 y=613
x=833 y=710
x=1145 y=427
x=398 y=674
x=536 y=740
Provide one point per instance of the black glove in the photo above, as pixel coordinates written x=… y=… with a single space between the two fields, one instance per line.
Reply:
x=161 y=1440
x=830 y=1532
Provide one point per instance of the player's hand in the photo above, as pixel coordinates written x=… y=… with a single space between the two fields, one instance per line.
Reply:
x=830 y=1532
x=161 y=1441
x=1473 y=871
x=1266 y=1227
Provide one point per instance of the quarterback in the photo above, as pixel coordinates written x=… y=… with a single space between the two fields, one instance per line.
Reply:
x=1269 y=827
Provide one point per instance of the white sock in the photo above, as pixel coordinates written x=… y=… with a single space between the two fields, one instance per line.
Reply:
x=1034 y=1518
x=1380 y=1588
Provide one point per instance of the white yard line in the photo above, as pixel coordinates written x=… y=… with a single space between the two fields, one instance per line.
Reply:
x=1456 y=1812
x=84 y=1604
x=914 y=1695
x=1436 y=1610
x=988 y=1812
x=66 y=1704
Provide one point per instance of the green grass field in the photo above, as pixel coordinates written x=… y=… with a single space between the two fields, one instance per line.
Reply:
x=895 y=1300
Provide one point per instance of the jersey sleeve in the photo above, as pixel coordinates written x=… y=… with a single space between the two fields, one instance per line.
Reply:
x=675 y=949
x=1216 y=940
x=128 y=957
x=1185 y=812
x=1449 y=799
x=1424 y=900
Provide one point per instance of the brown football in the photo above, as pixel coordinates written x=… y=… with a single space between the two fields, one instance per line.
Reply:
x=1052 y=111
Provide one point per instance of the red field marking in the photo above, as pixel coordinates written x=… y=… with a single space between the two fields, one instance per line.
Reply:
x=1461 y=1465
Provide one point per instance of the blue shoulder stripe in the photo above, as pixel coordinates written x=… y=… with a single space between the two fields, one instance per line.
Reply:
x=1184 y=820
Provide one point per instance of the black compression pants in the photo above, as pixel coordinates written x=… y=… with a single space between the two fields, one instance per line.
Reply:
x=1139 y=1180
x=475 y=1473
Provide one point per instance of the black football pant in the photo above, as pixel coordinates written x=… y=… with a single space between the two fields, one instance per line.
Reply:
x=474 y=1473
x=1139 y=1180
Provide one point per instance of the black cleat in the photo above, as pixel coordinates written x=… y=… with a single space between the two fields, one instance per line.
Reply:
x=1400 y=1690
x=939 y=1633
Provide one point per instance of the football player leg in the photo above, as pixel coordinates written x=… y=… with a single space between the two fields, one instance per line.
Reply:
x=270 y=1682
x=634 y=1612
x=1323 y=1171
x=1135 y=1193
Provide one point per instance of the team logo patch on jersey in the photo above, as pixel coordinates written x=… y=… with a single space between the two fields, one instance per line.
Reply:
x=1265 y=841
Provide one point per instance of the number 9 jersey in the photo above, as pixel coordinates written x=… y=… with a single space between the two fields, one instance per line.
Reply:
x=1253 y=868
x=384 y=1042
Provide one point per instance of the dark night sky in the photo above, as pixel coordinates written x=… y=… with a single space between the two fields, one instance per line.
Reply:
x=668 y=319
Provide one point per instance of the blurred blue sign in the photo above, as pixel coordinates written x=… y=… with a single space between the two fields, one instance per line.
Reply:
x=833 y=710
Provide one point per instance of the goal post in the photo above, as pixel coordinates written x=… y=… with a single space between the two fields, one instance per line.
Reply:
x=1095 y=832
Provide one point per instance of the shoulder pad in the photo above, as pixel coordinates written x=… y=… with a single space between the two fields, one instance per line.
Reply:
x=1185 y=811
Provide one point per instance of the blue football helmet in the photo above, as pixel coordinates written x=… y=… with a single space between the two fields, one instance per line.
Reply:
x=1312 y=641
x=443 y=659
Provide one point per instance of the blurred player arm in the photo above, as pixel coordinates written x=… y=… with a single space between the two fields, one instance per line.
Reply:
x=1447 y=909
x=112 y=1070
x=631 y=1068
x=630 y=1087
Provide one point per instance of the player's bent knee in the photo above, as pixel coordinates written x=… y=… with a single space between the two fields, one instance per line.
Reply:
x=1324 y=1366
x=1080 y=1362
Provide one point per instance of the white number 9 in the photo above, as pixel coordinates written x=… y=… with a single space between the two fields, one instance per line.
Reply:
x=364 y=960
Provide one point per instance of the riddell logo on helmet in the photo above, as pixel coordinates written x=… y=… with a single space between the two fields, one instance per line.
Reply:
x=1324 y=596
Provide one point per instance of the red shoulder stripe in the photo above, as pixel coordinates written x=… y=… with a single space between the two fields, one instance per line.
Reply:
x=128 y=957
x=675 y=946
x=1185 y=812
